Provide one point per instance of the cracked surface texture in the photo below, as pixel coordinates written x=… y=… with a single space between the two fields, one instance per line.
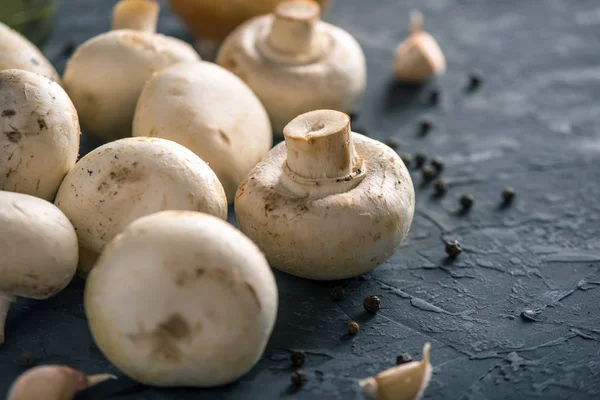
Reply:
x=533 y=124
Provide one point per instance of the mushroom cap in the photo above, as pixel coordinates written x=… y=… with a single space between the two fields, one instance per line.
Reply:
x=16 y=52
x=38 y=246
x=40 y=134
x=215 y=19
x=106 y=75
x=335 y=79
x=210 y=111
x=130 y=178
x=215 y=312
x=336 y=236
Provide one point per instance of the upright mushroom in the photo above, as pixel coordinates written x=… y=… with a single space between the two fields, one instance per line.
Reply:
x=38 y=250
x=181 y=298
x=295 y=62
x=16 y=52
x=327 y=203
x=211 y=112
x=106 y=74
x=129 y=178
x=39 y=134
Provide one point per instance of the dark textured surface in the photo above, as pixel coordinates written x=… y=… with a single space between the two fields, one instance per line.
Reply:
x=533 y=125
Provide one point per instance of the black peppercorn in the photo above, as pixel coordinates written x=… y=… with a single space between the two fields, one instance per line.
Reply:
x=440 y=187
x=508 y=194
x=298 y=378
x=453 y=248
x=466 y=201
x=353 y=328
x=392 y=142
x=69 y=48
x=425 y=126
x=434 y=96
x=403 y=359
x=298 y=358
x=27 y=359
x=437 y=163
x=372 y=304
x=406 y=159
x=337 y=293
x=429 y=172
x=475 y=80
x=420 y=159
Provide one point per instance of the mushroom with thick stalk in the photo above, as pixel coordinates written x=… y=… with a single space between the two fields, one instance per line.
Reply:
x=210 y=111
x=419 y=57
x=327 y=203
x=215 y=19
x=106 y=74
x=39 y=134
x=130 y=178
x=16 y=52
x=296 y=63
x=38 y=250
x=407 y=381
x=52 y=382
x=215 y=310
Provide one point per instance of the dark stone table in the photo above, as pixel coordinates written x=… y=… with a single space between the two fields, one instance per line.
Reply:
x=533 y=124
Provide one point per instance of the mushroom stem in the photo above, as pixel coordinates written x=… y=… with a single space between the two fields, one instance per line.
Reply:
x=319 y=145
x=416 y=22
x=139 y=15
x=293 y=27
x=5 y=303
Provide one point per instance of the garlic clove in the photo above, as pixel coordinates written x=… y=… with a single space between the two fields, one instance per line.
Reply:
x=419 y=57
x=139 y=15
x=403 y=382
x=53 y=382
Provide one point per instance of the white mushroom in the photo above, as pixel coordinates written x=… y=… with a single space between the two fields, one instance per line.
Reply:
x=403 y=382
x=215 y=19
x=296 y=63
x=181 y=298
x=106 y=74
x=39 y=134
x=327 y=203
x=52 y=382
x=16 y=52
x=130 y=178
x=211 y=112
x=419 y=57
x=38 y=250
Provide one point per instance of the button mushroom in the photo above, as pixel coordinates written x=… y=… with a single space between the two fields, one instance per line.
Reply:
x=181 y=298
x=296 y=63
x=106 y=74
x=215 y=19
x=16 y=52
x=210 y=111
x=327 y=203
x=39 y=134
x=52 y=382
x=38 y=250
x=129 y=178
x=419 y=57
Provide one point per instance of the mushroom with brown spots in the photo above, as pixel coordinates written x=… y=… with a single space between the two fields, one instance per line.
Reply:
x=215 y=312
x=52 y=382
x=16 y=52
x=296 y=63
x=210 y=111
x=39 y=134
x=38 y=250
x=107 y=73
x=327 y=203
x=130 y=178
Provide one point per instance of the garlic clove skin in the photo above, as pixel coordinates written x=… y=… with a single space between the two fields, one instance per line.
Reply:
x=139 y=15
x=403 y=382
x=419 y=57
x=52 y=382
